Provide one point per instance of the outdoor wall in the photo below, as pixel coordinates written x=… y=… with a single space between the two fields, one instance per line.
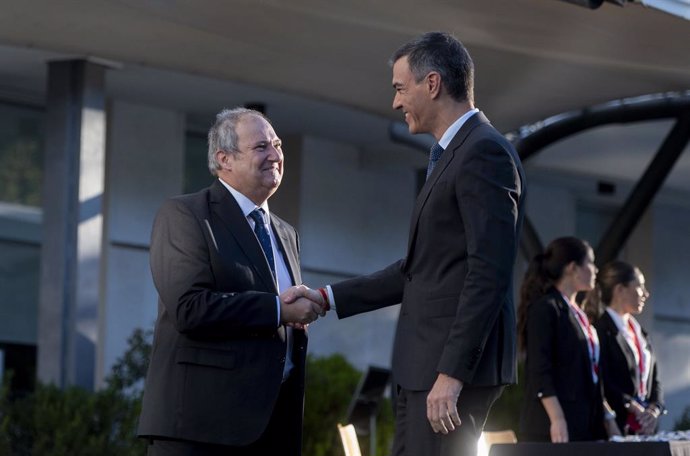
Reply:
x=670 y=296
x=355 y=214
x=144 y=167
x=20 y=237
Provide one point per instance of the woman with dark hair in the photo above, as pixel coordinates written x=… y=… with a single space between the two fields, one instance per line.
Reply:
x=563 y=398
x=629 y=370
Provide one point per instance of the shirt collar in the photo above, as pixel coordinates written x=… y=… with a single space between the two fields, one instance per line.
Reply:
x=618 y=319
x=245 y=203
x=455 y=128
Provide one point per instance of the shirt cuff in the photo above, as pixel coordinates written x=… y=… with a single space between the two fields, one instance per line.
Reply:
x=331 y=299
x=278 y=310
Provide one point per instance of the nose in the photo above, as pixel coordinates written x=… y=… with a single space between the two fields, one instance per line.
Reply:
x=275 y=153
x=396 y=102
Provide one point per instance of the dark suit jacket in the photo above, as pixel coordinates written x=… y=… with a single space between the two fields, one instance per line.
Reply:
x=558 y=364
x=457 y=315
x=217 y=359
x=618 y=369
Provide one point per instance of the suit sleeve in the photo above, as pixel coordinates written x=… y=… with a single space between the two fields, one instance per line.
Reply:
x=542 y=321
x=366 y=293
x=183 y=275
x=656 y=393
x=487 y=188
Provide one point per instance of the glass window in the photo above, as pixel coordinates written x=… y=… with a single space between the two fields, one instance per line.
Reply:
x=21 y=154
x=20 y=265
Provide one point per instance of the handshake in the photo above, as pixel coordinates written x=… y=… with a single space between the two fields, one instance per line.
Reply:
x=300 y=305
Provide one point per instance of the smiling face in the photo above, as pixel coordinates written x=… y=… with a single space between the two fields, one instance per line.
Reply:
x=256 y=168
x=633 y=296
x=411 y=97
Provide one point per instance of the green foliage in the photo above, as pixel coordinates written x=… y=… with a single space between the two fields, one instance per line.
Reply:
x=505 y=413
x=54 y=422
x=683 y=423
x=20 y=172
x=129 y=371
x=331 y=382
x=74 y=422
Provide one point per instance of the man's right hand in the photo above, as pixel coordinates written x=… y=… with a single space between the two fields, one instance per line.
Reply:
x=300 y=305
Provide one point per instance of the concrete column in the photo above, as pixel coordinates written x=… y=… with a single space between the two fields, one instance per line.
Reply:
x=72 y=222
x=145 y=166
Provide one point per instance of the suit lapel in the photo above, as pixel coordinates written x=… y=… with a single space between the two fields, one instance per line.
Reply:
x=622 y=343
x=454 y=148
x=581 y=339
x=224 y=206
x=290 y=254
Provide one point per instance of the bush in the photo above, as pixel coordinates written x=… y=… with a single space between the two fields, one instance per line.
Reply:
x=683 y=423
x=505 y=413
x=74 y=422
x=54 y=422
x=330 y=385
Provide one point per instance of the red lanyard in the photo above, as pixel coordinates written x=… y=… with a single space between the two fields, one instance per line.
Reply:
x=640 y=363
x=590 y=338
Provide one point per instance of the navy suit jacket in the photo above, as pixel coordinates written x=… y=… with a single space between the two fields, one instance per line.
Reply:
x=457 y=315
x=218 y=355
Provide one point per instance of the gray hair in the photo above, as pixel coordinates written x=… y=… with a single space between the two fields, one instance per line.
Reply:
x=222 y=135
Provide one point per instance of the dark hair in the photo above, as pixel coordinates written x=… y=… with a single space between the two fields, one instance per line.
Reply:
x=544 y=271
x=444 y=54
x=613 y=273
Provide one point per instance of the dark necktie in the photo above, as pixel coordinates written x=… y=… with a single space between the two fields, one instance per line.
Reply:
x=434 y=155
x=264 y=238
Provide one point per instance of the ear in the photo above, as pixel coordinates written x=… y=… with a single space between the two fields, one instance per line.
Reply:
x=224 y=159
x=617 y=289
x=433 y=81
x=570 y=268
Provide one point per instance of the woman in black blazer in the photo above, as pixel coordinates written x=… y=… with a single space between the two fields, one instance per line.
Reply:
x=629 y=369
x=563 y=397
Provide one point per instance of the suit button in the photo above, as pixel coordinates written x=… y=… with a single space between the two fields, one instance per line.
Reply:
x=409 y=277
x=282 y=359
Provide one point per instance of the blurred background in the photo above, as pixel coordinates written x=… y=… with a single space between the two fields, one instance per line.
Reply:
x=105 y=104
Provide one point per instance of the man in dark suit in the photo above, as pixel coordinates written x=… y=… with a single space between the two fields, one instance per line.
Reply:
x=226 y=375
x=455 y=342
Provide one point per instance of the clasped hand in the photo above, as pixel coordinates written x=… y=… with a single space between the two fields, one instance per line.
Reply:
x=300 y=305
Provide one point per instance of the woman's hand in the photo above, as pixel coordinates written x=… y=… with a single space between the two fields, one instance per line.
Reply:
x=648 y=419
x=559 y=431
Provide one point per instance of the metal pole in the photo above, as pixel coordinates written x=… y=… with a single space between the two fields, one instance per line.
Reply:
x=643 y=193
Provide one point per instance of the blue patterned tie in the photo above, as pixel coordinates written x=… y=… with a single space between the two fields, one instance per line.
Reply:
x=434 y=155
x=264 y=238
